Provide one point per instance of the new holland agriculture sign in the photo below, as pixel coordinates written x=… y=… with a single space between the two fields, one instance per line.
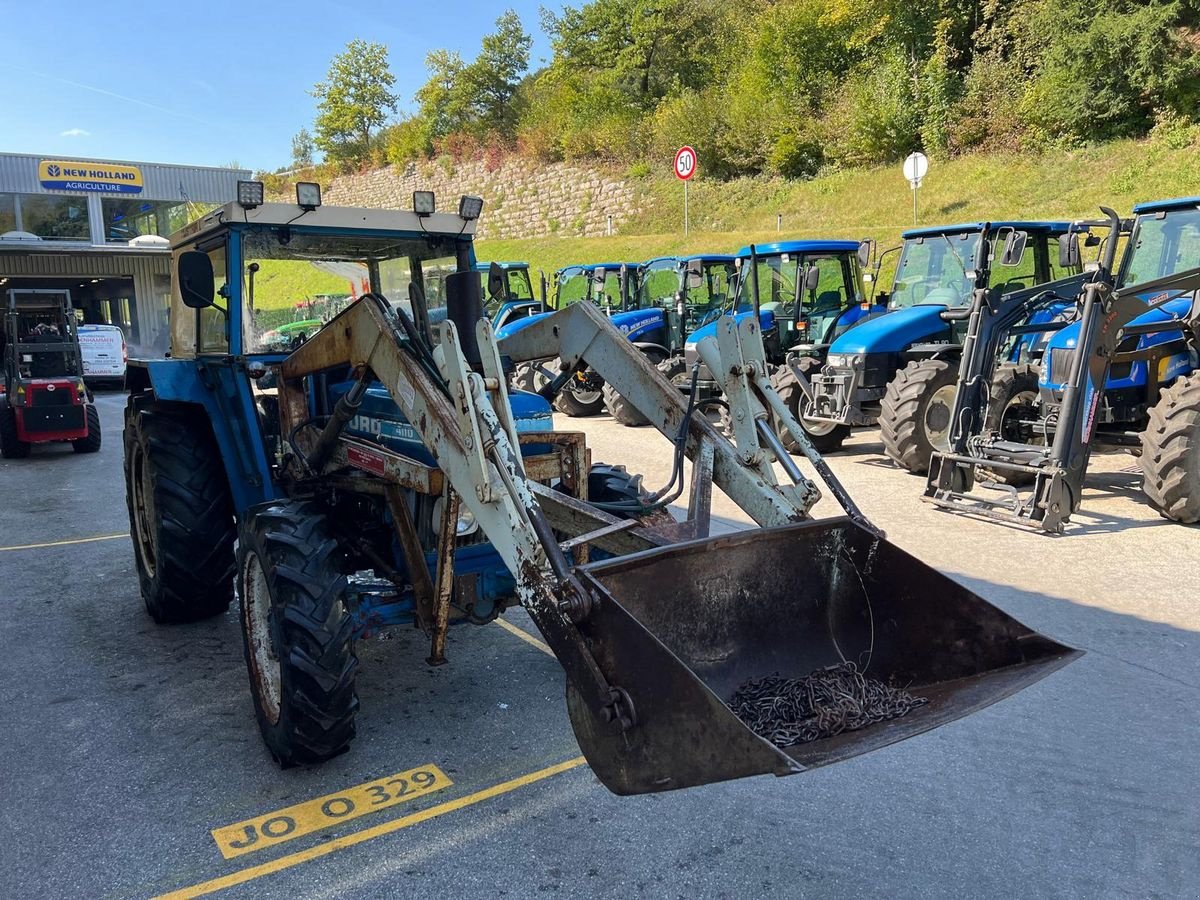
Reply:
x=101 y=178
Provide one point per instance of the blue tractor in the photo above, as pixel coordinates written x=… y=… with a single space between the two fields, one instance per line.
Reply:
x=380 y=473
x=507 y=290
x=899 y=370
x=674 y=297
x=805 y=293
x=609 y=286
x=1120 y=371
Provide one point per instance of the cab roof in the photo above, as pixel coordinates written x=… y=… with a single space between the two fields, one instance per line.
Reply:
x=591 y=267
x=1153 y=206
x=703 y=257
x=967 y=227
x=342 y=218
x=809 y=246
x=506 y=266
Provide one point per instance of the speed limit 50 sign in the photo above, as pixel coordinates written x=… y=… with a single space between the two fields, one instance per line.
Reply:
x=685 y=163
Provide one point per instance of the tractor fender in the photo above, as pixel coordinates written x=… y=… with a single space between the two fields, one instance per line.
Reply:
x=650 y=347
x=934 y=351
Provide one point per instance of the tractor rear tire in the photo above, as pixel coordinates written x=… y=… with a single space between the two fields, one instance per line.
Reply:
x=11 y=447
x=91 y=443
x=914 y=417
x=1170 y=457
x=1011 y=401
x=298 y=635
x=180 y=512
x=826 y=437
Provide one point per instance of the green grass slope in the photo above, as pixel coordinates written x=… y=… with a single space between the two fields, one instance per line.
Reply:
x=876 y=202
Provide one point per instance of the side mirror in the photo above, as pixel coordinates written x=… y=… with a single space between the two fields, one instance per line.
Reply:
x=864 y=252
x=195 y=273
x=1068 y=251
x=599 y=276
x=812 y=277
x=1014 y=248
x=496 y=282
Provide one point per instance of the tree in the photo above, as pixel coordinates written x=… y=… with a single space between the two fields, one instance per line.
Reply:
x=479 y=97
x=493 y=78
x=354 y=101
x=302 y=149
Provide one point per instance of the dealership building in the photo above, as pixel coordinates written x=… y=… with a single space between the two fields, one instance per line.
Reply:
x=99 y=229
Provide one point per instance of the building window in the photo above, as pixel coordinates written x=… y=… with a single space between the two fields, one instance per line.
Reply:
x=50 y=217
x=8 y=213
x=126 y=219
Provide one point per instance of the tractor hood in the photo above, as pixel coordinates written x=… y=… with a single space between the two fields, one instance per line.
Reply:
x=380 y=420
x=766 y=321
x=514 y=327
x=893 y=332
x=636 y=324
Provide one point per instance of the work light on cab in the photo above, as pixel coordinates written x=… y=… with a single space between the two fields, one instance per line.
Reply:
x=423 y=203
x=470 y=207
x=308 y=195
x=249 y=194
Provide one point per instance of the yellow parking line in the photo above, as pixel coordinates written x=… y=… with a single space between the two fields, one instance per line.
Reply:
x=294 y=859
x=86 y=540
x=524 y=635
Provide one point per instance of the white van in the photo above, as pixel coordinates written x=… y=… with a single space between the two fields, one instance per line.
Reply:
x=104 y=353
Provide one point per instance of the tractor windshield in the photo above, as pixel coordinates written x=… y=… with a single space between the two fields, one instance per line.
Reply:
x=576 y=283
x=517 y=286
x=933 y=269
x=1163 y=244
x=287 y=270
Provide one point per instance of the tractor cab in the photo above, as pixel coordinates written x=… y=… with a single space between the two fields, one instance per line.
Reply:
x=42 y=395
x=691 y=290
x=1165 y=241
x=813 y=290
x=507 y=291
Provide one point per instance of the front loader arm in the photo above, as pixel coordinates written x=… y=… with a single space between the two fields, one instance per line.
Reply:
x=477 y=455
x=582 y=333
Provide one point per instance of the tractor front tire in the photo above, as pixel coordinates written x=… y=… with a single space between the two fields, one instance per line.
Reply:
x=11 y=447
x=622 y=410
x=529 y=377
x=91 y=443
x=180 y=512
x=298 y=635
x=1170 y=457
x=914 y=418
x=826 y=437
x=1011 y=401
x=579 y=403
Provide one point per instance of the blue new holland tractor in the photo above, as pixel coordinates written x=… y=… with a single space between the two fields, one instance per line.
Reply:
x=805 y=294
x=1120 y=371
x=381 y=474
x=609 y=286
x=675 y=296
x=899 y=370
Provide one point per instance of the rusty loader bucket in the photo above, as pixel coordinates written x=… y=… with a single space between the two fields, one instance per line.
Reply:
x=683 y=629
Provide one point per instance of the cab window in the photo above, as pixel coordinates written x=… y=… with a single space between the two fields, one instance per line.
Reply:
x=213 y=332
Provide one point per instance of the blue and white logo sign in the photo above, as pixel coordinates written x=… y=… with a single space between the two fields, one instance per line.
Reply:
x=95 y=177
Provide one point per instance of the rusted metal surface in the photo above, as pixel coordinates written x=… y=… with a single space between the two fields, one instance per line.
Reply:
x=789 y=601
x=444 y=584
x=410 y=542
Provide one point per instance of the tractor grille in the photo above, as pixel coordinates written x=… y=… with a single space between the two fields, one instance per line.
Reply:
x=1060 y=364
x=41 y=420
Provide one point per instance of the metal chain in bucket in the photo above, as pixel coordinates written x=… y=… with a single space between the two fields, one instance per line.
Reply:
x=839 y=698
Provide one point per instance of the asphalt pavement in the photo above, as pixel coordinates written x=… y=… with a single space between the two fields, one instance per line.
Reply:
x=126 y=744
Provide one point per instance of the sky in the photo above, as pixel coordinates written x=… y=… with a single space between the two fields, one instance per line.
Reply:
x=209 y=83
